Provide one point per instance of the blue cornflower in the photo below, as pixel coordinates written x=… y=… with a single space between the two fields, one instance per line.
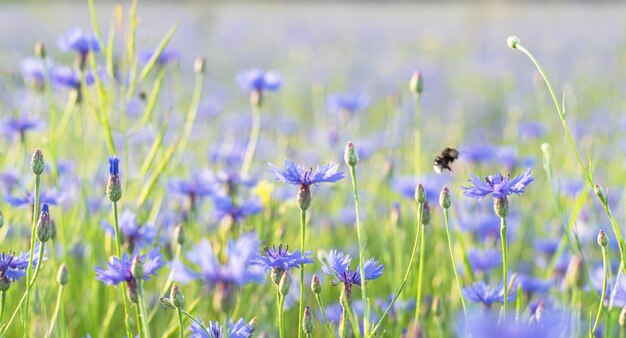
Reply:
x=237 y=329
x=197 y=186
x=399 y=307
x=479 y=292
x=69 y=78
x=164 y=58
x=499 y=186
x=14 y=267
x=34 y=70
x=256 y=80
x=484 y=261
x=531 y=284
x=135 y=235
x=119 y=270
x=405 y=185
x=114 y=166
x=349 y=103
x=296 y=175
x=79 y=41
x=18 y=126
x=234 y=272
x=338 y=266
x=478 y=153
x=50 y=197
x=280 y=258
x=224 y=207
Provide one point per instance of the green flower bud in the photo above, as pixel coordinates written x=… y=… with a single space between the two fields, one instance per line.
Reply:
x=179 y=234
x=177 y=297
x=501 y=206
x=316 y=286
x=63 y=275
x=276 y=274
x=444 y=198
x=574 y=277
x=600 y=193
x=5 y=283
x=44 y=227
x=420 y=193
x=304 y=197
x=253 y=324
x=37 y=163
x=166 y=302
x=437 y=307
x=603 y=239
x=426 y=214
x=114 y=188
x=308 y=323
x=622 y=318
x=417 y=83
x=285 y=284
x=40 y=49
x=224 y=298
x=350 y=155
x=512 y=41
x=137 y=268
x=199 y=66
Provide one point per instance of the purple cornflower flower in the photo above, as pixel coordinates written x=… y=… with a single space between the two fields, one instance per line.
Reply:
x=79 y=41
x=199 y=185
x=234 y=272
x=532 y=285
x=349 y=103
x=296 y=175
x=484 y=261
x=224 y=207
x=237 y=329
x=135 y=235
x=478 y=154
x=256 y=80
x=48 y=197
x=119 y=270
x=69 y=78
x=20 y=125
x=164 y=58
x=338 y=266
x=499 y=186
x=33 y=70
x=14 y=267
x=479 y=292
x=280 y=258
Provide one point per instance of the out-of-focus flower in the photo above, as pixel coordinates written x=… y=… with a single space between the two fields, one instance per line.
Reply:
x=79 y=41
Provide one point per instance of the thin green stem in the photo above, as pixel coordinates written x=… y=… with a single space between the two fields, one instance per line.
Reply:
x=55 y=314
x=420 y=272
x=518 y=302
x=140 y=322
x=420 y=214
x=416 y=149
x=118 y=249
x=302 y=239
x=252 y=142
x=604 y=283
x=329 y=328
x=505 y=285
x=281 y=306
x=366 y=312
x=3 y=305
x=33 y=232
x=456 y=275
x=195 y=321
x=181 y=328
x=142 y=310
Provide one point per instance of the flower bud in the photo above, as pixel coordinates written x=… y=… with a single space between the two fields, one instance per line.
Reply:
x=512 y=41
x=256 y=98
x=444 y=198
x=426 y=214
x=132 y=291
x=304 y=197
x=137 y=268
x=574 y=276
x=177 y=297
x=308 y=323
x=253 y=324
x=276 y=274
x=53 y=229
x=350 y=155
x=603 y=239
x=395 y=214
x=62 y=275
x=179 y=234
x=44 y=227
x=5 y=283
x=417 y=83
x=166 y=302
x=622 y=318
x=114 y=187
x=285 y=284
x=437 y=307
x=501 y=206
x=420 y=193
x=37 y=163
x=224 y=298
x=40 y=49
x=199 y=66
x=600 y=193
x=316 y=286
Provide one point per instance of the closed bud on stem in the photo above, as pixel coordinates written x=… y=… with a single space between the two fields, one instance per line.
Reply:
x=40 y=49
x=53 y=229
x=137 y=268
x=316 y=286
x=420 y=194
x=444 y=198
x=304 y=197
x=177 y=297
x=395 y=214
x=256 y=98
x=131 y=291
x=253 y=324
x=501 y=206
x=5 y=283
x=512 y=41
x=437 y=310
x=63 y=275
x=574 y=277
x=179 y=234
x=37 y=163
x=622 y=318
x=44 y=226
x=199 y=66
x=308 y=323
x=276 y=274
x=114 y=188
x=426 y=214
x=417 y=83
x=603 y=239
x=224 y=298
x=350 y=155
x=600 y=193
x=166 y=302
x=285 y=284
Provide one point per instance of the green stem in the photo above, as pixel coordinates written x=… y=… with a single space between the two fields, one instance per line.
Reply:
x=254 y=138
x=320 y=303
x=505 y=286
x=118 y=248
x=416 y=154
x=518 y=302
x=456 y=275
x=33 y=232
x=57 y=307
x=604 y=282
x=420 y=269
x=195 y=321
x=302 y=239
x=142 y=310
x=3 y=305
x=281 y=306
x=181 y=328
x=366 y=312
x=140 y=323
x=420 y=214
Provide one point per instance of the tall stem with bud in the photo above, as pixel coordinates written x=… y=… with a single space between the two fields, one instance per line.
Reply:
x=501 y=207
x=255 y=101
x=304 y=201
x=420 y=264
x=603 y=242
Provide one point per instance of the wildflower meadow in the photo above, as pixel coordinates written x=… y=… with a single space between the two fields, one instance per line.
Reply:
x=334 y=169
